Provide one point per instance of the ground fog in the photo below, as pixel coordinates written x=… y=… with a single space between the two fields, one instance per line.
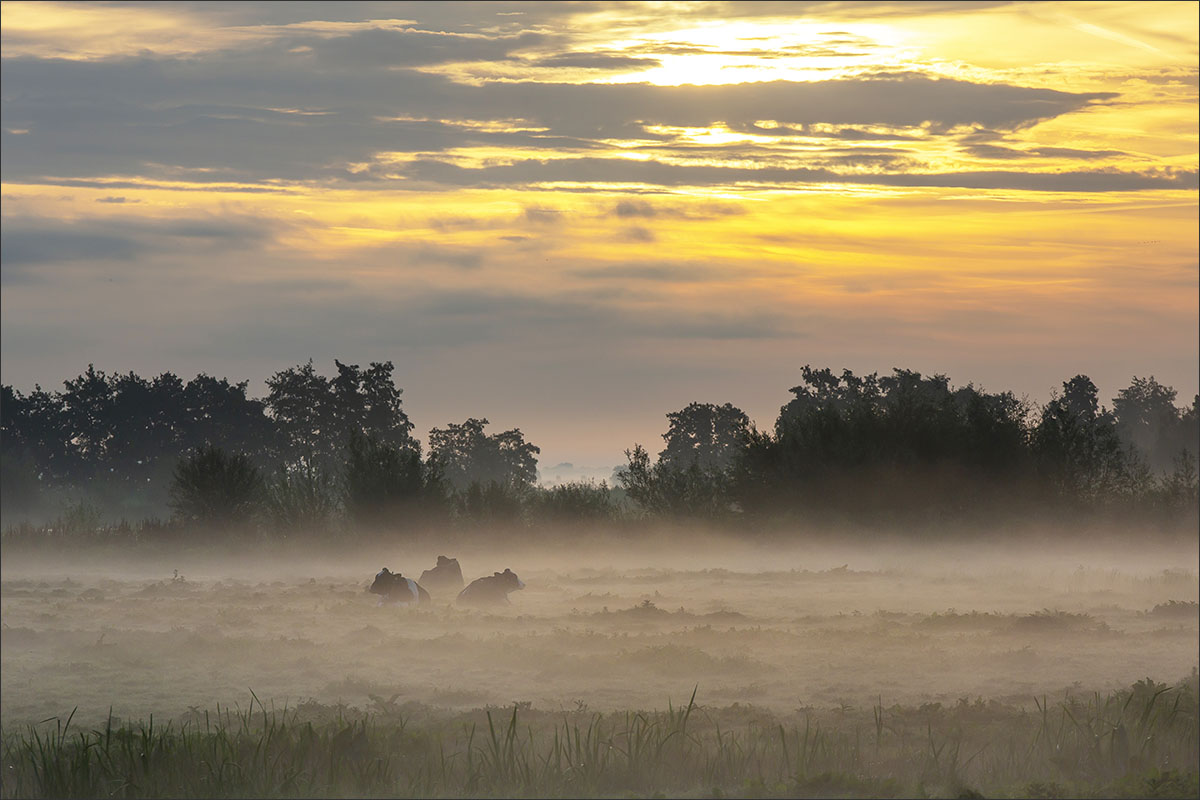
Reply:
x=629 y=626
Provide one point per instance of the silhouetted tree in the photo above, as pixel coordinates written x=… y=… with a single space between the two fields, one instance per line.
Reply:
x=384 y=482
x=316 y=417
x=704 y=434
x=87 y=417
x=301 y=403
x=302 y=497
x=1147 y=419
x=579 y=501
x=220 y=412
x=467 y=455
x=882 y=446
x=492 y=503
x=367 y=402
x=662 y=490
x=215 y=488
x=1078 y=452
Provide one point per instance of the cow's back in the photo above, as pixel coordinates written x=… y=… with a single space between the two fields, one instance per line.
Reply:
x=484 y=592
x=446 y=576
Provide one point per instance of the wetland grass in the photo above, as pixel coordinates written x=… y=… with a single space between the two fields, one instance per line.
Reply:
x=1139 y=742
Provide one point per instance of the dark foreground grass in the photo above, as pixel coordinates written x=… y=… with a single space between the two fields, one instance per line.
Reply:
x=1139 y=742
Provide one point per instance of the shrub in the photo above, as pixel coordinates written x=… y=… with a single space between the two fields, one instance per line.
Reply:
x=212 y=487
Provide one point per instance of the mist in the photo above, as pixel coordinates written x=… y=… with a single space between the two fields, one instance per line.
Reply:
x=611 y=625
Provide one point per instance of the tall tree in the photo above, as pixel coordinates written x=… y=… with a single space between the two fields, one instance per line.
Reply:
x=367 y=402
x=704 y=434
x=1079 y=454
x=385 y=483
x=468 y=455
x=87 y=414
x=301 y=403
x=1147 y=419
x=317 y=416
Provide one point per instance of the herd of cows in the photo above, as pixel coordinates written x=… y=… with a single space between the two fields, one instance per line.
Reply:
x=446 y=577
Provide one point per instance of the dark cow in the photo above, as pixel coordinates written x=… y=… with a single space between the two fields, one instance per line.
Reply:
x=491 y=591
x=392 y=587
x=445 y=577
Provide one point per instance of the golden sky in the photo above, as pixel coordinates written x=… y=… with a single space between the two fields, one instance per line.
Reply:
x=575 y=218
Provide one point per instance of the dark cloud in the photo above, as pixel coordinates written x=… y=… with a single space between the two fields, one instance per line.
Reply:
x=405 y=254
x=34 y=241
x=601 y=170
x=22 y=250
x=597 y=60
x=231 y=118
x=999 y=152
x=651 y=273
x=626 y=209
x=1071 y=152
x=634 y=208
x=378 y=48
x=115 y=199
x=444 y=318
x=543 y=216
x=637 y=233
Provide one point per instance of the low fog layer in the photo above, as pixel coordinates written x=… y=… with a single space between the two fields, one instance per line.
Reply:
x=614 y=626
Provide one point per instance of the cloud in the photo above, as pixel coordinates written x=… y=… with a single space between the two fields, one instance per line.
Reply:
x=543 y=216
x=114 y=199
x=637 y=233
x=634 y=208
x=651 y=273
x=627 y=209
x=597 y=60
x=269 y=115
x=30 y=241
x=992 y=151
x=376 y=49
x=600 y=171
x=465 y=258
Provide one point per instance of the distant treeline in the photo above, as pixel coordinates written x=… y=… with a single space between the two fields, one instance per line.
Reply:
x=321 y=454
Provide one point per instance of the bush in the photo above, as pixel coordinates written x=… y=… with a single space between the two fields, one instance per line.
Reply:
x=383 y=480
x=216 y=488
x=302 y=497
x=580 y=501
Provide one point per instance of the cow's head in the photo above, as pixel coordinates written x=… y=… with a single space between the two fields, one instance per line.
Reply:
x=384 y=581
x=509 y=580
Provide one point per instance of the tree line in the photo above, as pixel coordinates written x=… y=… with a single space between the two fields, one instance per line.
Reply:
x=907 y=448
x=320 y=452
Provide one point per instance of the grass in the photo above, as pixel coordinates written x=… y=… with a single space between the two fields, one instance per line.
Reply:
x=1139 y=742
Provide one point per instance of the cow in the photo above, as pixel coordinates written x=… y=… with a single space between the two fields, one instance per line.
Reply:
x=392 y=587
x=491 y=591
x=445 y=577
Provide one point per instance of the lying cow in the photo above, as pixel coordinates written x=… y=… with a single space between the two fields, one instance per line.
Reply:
x=395 y=588
x=445 y=577
x=491 y=591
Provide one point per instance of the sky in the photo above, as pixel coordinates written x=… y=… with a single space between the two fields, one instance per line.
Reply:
x=574 y=218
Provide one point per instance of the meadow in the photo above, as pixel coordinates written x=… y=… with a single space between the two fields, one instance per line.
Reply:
x=698 y=670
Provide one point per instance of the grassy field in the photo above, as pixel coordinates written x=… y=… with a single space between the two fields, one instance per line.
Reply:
x=1139 y=742
x=816 y=673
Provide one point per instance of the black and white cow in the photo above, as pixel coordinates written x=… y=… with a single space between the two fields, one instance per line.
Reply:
x=445 y=577
x=392 y=587
x=492 y=590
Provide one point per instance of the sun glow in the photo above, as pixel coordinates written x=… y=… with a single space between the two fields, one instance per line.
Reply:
x=763 y=50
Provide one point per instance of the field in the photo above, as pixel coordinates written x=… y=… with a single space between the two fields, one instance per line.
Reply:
x=895 y=655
